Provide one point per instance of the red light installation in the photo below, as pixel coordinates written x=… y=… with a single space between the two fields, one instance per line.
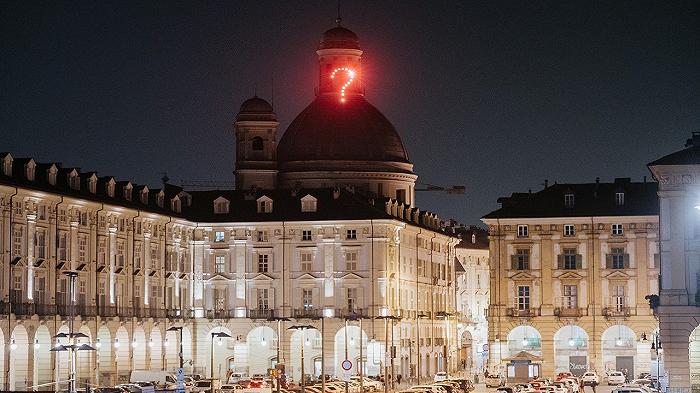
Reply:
x=351 y=76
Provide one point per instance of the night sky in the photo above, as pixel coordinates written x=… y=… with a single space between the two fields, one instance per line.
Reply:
x=497 y=96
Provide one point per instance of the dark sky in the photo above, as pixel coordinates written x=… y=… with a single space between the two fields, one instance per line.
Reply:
x=497 y=96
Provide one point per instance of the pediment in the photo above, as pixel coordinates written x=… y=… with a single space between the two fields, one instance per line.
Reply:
x=617 y=275
x=264 y=198
x=262 y=277
x=221 y=199
x=306 y=276
x=570 y=276
x=522 y=276
x=218 y=277
x=352 y=276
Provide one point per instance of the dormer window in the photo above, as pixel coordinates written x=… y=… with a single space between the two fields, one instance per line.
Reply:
x=29 y=170
x=92 y=185
x=619 y=198
x=264 y=205
x=473 y=238
x=110 y=188
x=127 y=192
x=144 y=196
x=308 y=204
x=568 y=200
x=159 y=199
x=175 y=205
x=221 y=205
x=74 y=180
x=7 y=165
x=51 y=175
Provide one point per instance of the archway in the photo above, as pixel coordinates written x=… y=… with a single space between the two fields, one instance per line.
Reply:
x=121 y=348
x=524 y=338
x=466 y=349
x=103 y=346
x=19 y=358
x=171 y=346
x=312 y=350
x=222 y=347
x=187 y=348
x=571 y=350
x=155 y=347
x=42 y=356
x=262 y=349
x=83 y=369
x=619 y=349
x=62 y=359
x=355 y=338
x=138 y=348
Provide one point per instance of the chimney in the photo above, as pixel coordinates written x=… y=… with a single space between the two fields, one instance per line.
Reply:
x=546 y=183
x=694 y=140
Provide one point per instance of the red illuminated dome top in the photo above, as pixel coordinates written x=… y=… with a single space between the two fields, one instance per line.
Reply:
x=339 y=37
x=328 y=130
x=256 y=109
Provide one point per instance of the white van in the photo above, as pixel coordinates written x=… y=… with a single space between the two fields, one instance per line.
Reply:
x=160 y=377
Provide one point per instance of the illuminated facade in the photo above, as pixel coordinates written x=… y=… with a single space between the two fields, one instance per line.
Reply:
x=571 y=266
x=313 y=230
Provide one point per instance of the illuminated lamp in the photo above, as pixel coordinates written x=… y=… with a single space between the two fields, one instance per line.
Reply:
x=351 y=76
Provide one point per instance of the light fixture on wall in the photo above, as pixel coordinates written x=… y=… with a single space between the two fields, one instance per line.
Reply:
x=166 y=343
x=36 y=344
x=98 y=344
x=263 y=342
x=134 y=344
x=116 y=343
x=150 y=343
x=13 y=345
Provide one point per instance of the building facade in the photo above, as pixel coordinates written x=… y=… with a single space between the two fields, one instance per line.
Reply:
x=571 y=266
x=678 y=175
x=472 y=254
x=319 y=231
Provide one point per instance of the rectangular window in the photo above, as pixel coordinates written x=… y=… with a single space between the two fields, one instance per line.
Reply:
x=522 y=259
x=570 y=258
x=619 y=198
x=306 y=259
x=618 y=292
x=617 y=229
x=219 y=236
x=137 y=290
x=352 y=298
x=263 y=299
x=570 y=296
x=17 y=242
x=569 y=230
x=306 y=235
x=120 y=253
x=62 y=242
x=522 y=231
x=421 y=268
x=523 y=297
x=263 y=260
x=82 y=249
x=351 y=261
x=568 y=200
x=40 y=245
x=617 y=258
x=41 y=211
x=262 y=236
x=219 y=264
x=351 y=234
x=307 y=297
x=137 y=256
x=83 y=219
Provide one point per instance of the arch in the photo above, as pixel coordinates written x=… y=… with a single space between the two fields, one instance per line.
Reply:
x=619 y=349
x=261 y=341
x=121 y=347
x=42 y=357
x=155 y=347
x=103 y=346
x=312 y=349
x=171 y=347
x=138 y=348
x=187 y=347
x=466 y=349
x=524 y=338
x=19 y=358
x=355 y=338
x=571 y=350
x=222 y=347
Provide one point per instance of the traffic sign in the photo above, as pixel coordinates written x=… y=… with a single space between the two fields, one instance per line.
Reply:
x=346 y=365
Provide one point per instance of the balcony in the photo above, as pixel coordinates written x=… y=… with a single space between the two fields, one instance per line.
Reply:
x=259 y=314
x=219 y=314
x=568 y=312
x=526 y=313
x=306 y=313
x=351 y=313
x=617 y=312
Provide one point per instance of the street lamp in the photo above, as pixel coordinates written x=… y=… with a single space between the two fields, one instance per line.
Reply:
x=279 y=321
x=302 y=328
x=219 y=335
x=656 y=346
x=445 y=316
x=388 y=355
x=176 y=329
x=418 y=344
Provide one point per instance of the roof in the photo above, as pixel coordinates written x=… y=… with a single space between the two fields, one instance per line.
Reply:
x=590 y=199
x=353 y=130
x=256 y=109
x=339 y=37
x=473 y=237
x=688 y=156
x=523 y=355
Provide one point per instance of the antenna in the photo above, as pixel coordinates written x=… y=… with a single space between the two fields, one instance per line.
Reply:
x=338 y=19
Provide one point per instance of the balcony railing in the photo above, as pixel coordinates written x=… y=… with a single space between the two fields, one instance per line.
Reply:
x=351 y=313
x=526 y=313
x=261 y=314
x=569 y=312
x=310 y=313
x=29 y=309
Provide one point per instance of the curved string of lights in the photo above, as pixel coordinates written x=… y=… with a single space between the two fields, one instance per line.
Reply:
x=351 y=76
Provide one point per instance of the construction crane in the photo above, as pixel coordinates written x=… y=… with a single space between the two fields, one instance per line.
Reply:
x=454 y=190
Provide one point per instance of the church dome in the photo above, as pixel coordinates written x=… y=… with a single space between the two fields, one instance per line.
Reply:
x=256 y=109
x=328 y=130
x=339 y=37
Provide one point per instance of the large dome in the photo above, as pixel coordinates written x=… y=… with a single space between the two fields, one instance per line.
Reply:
x=328 y=130
x=256 y=109
x=339 y=37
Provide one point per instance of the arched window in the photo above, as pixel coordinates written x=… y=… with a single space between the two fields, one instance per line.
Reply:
x=257 y=143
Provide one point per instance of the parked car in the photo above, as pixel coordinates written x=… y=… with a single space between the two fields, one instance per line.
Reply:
x=590 y=378
x=230 y=388
x=494 y=381
x=440 y=376
x=616 y=378
x=369 y=384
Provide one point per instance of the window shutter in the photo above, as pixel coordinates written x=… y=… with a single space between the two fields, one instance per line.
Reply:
x=579 y=261
x=514 y=262
x=316 y=298
x=254 y=299
x=299 y=294
x=560 y=261
x=271 y=299
x=626 y=261
x=608 y=261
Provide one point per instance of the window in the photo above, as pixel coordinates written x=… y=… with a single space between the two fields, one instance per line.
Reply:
x=618 y=300
x=262 y=236
x=219 y=236
x=62 y=242
x=175 y=205
x=522 y=259
x=263 y=260
x=351 y=261
x=306 y=235
x=568 y=200
x=400 y=196
x=306 y=259
x=352 y=298
x=83 y=219
x=351 y=234
x=570 y=296
x=159 y=199
x=41 y=212
x=82 y=249
x=617 y=258
x=137 y=255
x=219 y=264
x=522 y=231
x=120 y=253
x=617 y=229
x=17 y=242
x=420 y=268
x=127 y=193
x=569 y=230
x=257 y=143
x=570 y=257
x=221 y=206
x=264 y=205
x=144 y=197
x=40 y=244
x=74 y=181
x=619 y=198
x=308 y=204
x=263 y=299
x=307 y=296
x=92 y=185
x=523 y=297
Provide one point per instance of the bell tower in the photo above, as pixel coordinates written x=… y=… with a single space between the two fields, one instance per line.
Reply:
x=339 y=63
x=256 y=145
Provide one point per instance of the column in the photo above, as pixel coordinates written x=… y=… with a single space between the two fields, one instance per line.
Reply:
x=31 y=233
x=112 y=256
x=146 y=295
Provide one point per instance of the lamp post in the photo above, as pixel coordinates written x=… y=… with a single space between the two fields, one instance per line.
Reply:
x=656 y=346
x=279 y=321
x=219 y=335
x=302 y=328
x=387 y=351
x=445 y=315
x=71 y=335
x=418 y=344
x=178 y=329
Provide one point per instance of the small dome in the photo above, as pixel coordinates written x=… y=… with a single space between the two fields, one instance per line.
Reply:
x=256 y=108
x=339 y=37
